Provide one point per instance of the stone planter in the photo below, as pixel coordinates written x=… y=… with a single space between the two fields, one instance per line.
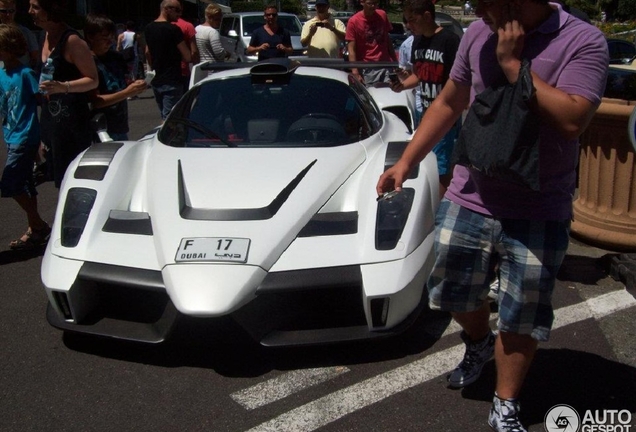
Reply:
x=605 y=209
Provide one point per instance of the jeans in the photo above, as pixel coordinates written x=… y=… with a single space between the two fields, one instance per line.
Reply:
x=167 y=95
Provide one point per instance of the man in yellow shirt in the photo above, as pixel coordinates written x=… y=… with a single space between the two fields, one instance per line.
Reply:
x=323 y=33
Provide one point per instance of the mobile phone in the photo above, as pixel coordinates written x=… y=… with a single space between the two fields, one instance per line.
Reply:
x=387 y=195
x=149 y=76
x=320 y=24
x=394 y=78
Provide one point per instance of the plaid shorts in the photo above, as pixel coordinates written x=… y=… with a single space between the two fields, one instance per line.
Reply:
x=529 y=254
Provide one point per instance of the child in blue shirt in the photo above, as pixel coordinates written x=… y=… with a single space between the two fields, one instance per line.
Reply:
x=18 y=108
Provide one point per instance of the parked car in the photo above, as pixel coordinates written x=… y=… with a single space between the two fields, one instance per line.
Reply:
x=236 y=32
x=255 y=201
x=621 y=51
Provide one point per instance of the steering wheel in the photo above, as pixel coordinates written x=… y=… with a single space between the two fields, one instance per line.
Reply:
x=321 y=116
x=316 y=127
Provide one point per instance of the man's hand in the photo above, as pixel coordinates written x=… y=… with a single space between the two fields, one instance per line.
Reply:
x=263 y=47
x=510 y=44
x=392 y=178
x=403 y=73
x=397 y=86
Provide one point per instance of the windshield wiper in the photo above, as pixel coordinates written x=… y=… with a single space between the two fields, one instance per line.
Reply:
x=200 y=128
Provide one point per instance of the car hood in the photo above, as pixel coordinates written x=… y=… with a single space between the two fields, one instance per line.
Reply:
x=265 y=195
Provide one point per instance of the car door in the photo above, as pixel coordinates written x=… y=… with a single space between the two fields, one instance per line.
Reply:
x=230 y=44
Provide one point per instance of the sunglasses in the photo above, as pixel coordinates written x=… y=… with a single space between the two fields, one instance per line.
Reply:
x=7 y=11
x=271 y=14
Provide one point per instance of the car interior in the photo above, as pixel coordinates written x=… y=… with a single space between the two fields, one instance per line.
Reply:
x=306 y=111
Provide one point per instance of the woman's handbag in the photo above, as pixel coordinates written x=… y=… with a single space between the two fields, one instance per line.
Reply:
x=500 y=135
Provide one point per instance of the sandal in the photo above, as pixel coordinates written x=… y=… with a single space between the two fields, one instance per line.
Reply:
x=32 y=239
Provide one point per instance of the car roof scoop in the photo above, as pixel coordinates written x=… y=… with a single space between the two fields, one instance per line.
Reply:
x=273 y=71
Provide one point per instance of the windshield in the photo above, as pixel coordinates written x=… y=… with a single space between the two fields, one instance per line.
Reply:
x=235 y=112
x=289 y=22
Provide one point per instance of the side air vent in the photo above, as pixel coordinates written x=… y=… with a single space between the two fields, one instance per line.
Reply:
x=95 y=161
x=128 y=222
x=330 y=224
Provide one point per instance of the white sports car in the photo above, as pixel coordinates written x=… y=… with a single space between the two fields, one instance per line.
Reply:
x=255 y=199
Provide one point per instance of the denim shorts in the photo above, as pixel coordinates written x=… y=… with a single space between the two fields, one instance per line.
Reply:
x=444 y=148
x=530 y=253
x=17 y=177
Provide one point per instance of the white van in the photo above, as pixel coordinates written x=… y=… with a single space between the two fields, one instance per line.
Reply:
x=236 y=32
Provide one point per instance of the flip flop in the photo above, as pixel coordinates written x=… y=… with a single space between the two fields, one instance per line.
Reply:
x=32 y=239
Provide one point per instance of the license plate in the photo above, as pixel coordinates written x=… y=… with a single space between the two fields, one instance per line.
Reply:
x=227 y=249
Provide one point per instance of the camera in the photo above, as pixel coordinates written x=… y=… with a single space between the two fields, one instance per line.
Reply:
x=394 y=78
x=320 y=24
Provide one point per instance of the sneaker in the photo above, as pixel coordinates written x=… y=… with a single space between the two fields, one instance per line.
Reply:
x=475 y=357
x=504 y=416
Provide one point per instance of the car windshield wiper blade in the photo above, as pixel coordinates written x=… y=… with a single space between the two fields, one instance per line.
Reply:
x=200 y=128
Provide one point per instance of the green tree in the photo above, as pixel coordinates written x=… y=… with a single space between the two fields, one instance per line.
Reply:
x=620 y=10
x=591 y=8
x=626 y=9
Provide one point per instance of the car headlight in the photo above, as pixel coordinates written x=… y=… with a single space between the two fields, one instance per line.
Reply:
x=391 y=218
x=77 y=208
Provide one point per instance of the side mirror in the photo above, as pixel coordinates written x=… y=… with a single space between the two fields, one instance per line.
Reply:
x=232 y=34
x=631 y=128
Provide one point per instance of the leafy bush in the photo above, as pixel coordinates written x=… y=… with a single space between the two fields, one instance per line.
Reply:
x=624 y=30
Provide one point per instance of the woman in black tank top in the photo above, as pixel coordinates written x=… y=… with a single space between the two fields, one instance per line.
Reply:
x=65 y=110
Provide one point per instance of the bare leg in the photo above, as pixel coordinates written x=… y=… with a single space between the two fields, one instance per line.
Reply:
x=30 y=206
x=513 y=355
x=475 y=323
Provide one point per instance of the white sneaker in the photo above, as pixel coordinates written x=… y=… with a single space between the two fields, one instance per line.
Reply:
x=504 y=416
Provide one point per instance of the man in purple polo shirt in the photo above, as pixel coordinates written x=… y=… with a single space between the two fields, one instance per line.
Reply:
x=481 y=215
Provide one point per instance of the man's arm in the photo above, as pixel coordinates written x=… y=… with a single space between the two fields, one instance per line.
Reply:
x=186 y=55
x=390 y=48
x=339 y=29
x=351 y=45
x=194 y=51
x=120 y=40
x=309 y=29
x=253 y=48
x=148 y=58
x=438 y=119
x=287 y=43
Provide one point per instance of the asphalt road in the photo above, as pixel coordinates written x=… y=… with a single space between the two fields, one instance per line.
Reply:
x=212 y=377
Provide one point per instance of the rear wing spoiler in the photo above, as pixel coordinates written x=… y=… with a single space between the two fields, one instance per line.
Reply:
x=202 y=70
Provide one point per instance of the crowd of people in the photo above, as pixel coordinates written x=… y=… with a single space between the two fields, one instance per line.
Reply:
x=72 y=78
x=484 y=222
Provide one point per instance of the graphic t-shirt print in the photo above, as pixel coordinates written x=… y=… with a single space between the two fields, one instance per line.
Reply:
x=373 y=35
x=429 y=68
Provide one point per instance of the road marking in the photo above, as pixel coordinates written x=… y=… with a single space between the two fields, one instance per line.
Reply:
x=327 y=409
x=285 y=385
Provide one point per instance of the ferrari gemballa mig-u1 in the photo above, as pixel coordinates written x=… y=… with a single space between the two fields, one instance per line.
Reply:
x=255 y=200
